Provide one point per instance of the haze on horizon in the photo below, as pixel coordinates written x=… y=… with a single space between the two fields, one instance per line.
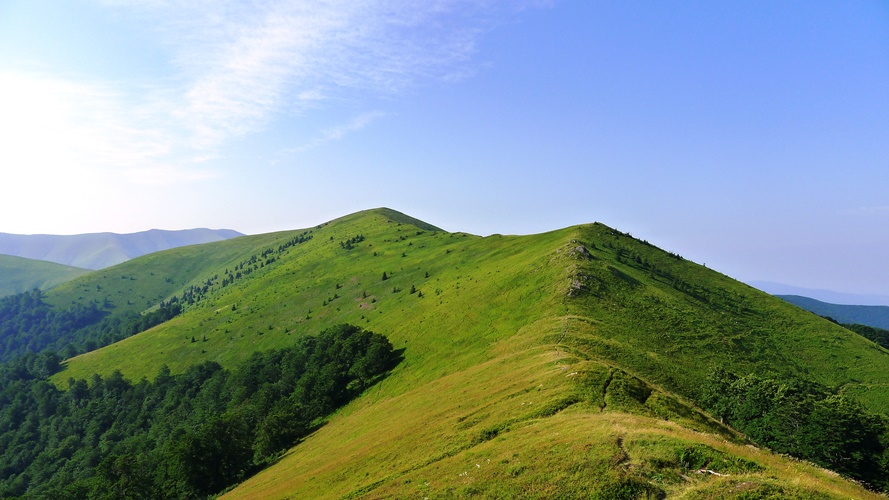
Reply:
x=747 y=136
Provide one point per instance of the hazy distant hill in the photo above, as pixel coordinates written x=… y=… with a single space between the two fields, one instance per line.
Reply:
x=876 y=316
x=18 y=274
x=100 y=250
x=829 y=296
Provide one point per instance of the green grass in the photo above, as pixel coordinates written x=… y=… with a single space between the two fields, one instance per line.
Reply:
x=18 y=274
x=534 y=367
x=141 y=283
x=465 y=304
x=640 y=320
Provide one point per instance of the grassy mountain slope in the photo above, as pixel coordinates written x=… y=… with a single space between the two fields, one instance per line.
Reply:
x=876 y=316
x=139 y=284
x=535 y=366
x=18 y=274
x=101 y=250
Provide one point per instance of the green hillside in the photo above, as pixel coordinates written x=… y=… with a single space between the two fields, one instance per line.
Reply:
x=140 y=284
x=548 y=365
x=18 y=274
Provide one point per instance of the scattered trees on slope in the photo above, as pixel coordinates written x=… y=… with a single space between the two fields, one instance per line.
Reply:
x=351 y=242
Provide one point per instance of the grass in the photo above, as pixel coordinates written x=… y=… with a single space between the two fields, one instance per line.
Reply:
x=465 y=304
x=673 y=336
x=423 y=444
x=18 y=274
x=140 y=284
x=553 y=365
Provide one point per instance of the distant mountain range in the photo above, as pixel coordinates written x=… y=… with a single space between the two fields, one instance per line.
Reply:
x=876 y=316
x=829 y=296
x=100 y=250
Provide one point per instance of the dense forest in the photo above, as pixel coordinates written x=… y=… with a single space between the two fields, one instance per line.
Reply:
x=29 y=325
x=805 y=420
x=179 y=436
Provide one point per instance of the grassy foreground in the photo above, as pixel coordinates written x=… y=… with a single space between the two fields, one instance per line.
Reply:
x=552 y=365
x=530 y=423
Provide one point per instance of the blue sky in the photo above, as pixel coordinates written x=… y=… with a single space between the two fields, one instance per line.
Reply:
x=750 y=136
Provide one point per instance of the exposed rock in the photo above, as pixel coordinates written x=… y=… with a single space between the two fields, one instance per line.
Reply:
x=579 y=285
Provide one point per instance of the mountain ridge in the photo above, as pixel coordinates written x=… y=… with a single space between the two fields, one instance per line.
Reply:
x=564 y=364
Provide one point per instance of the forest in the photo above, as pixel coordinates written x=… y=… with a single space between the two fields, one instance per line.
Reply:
x=29 y=326
x=805 y=420
x=186 y=435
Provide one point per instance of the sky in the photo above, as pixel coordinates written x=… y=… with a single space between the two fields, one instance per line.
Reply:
x=751 y=136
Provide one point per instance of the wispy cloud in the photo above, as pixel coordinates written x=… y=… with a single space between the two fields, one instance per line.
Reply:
x=246 y=63
x=336 y=133
x=239 y=66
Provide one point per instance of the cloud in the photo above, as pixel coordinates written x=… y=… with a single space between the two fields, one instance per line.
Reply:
x=244 y=64
x=336 y=133
x=237 y=67
x=357 y=123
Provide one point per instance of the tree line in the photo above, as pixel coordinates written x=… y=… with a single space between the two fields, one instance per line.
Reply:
x=876 y=335
x=179 y=436
x=242 y=269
